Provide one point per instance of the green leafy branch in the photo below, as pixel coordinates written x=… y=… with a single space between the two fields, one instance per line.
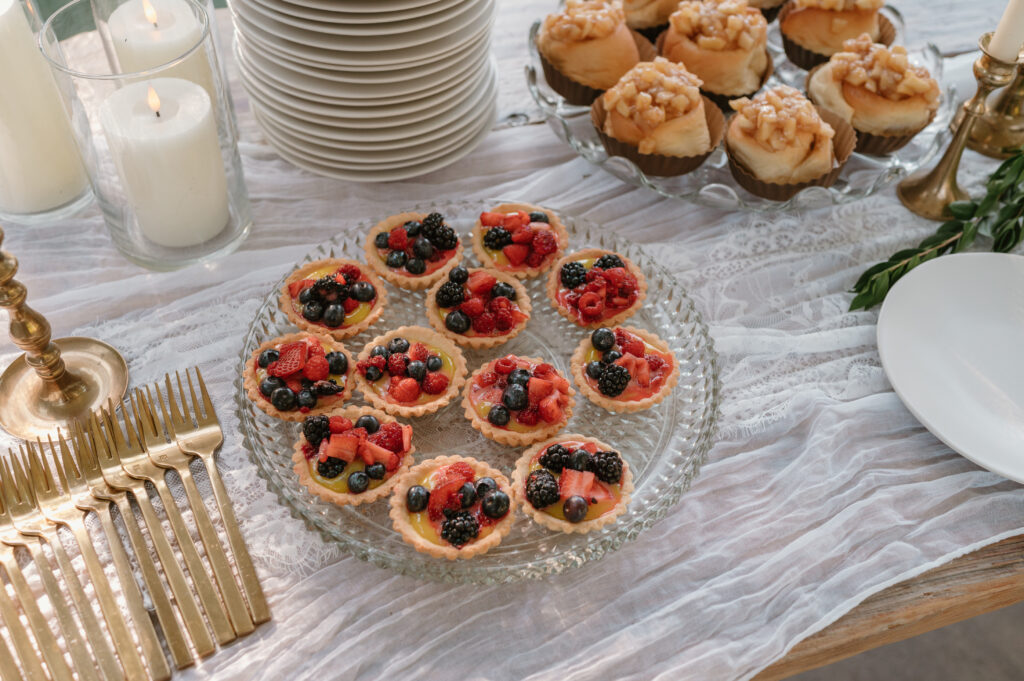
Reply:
x=999 y=215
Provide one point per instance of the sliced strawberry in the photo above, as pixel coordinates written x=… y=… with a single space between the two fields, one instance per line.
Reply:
x=445 y=492
x=489 y=219
x=561 y=384
x=538 y=388
x=480 y=283
x=404 y=390
x=292 y=359
x=372 y=453
x=529 y=416
x=491 y=396
x=322 y=451
x=297 y=287
x=524 y=236
x=516 y=253
x=389 y=437
x=343 y=446
x=599 y=492
x=543 y=370
x=339 y=424
x=575 y=483
x=629 y=343
x=474 y=307
x=393 y=462
x=549 y=409
x=406 y=438
x=513 y=221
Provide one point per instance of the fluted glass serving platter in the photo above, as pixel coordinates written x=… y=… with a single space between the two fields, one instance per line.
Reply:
x=665 y=445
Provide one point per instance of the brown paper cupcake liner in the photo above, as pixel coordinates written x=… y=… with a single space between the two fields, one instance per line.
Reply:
x=659 y=165
x=577 y=93
x=771 y=13
x=808 y=59
x=842 y=146
x=652 y=32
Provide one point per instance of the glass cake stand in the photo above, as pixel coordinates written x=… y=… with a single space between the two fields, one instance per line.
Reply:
x=665 y=445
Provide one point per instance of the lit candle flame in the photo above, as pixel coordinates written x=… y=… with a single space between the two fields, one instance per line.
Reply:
x=150 y=12
x=154 y=101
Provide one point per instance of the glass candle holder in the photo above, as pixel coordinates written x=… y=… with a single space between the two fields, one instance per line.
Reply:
x=42 y=177
x=152 y=116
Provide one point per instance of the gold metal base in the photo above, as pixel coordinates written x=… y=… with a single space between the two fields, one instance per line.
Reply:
x=31 y=407
x=999 y=132
x=929 y=193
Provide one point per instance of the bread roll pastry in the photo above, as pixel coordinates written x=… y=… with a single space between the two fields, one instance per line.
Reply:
x=648 y=13
x=723 y=42
x=875 y=88
x=779 y=137
x=657 y=106
x=589 y=42
x=822 y=26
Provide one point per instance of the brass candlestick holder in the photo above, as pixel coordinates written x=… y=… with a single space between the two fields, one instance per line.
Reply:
x=929 y=192
x=54 y=381
x=999 y=133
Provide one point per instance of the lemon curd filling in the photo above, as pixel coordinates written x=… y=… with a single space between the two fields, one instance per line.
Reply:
x=354 y=317
x=595 y=510
x=428 y=529
x=447 y=368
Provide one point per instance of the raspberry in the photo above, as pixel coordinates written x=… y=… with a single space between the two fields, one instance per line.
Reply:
x=535 y=259
x=358 y=433
x=404 y=389
x=362 y=365
x=529 y=416
x=628 y=285
x=504 y=319
x=418 y=352
x=315 y=348
x=614 y=276
x=435 y=383
x=350 y=304
x=523 y=236
x=544 y=242
x=352 y=273
x=389 y=437
x=591 y=305
x=655 y=362
x=339 y=424
x=379 y=362
x=473 y=307
x=505 y=365
x=316 y=368
x=499 y=303
x=484 y=323
x=398 y=239
x=487 y=378
x=397 y=363
x=543 y=370
x=594 y=275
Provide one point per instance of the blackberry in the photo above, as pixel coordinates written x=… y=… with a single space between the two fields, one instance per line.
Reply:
x=449 y=295
x=431 y=223
x=326 y=388
x=573 y=274
x=329 y=290
x=541 y=489
x=444 y=238
x=315 y=429
x=331 y=468
x=497 y=238
x=608 y=261
x=613 y=381
x=554 y=458
x=460 y=529
x=538 y=216
x=607 y=467
x=503 y=290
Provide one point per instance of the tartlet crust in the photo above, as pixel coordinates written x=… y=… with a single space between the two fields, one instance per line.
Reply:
x=481 y=342
x=301 y=466
x=579 y=375
x=410 y=282
x=428 y=337
x=510 y=437
x=400 y=517
x=561 y=234
x=284 y=300
x=538 y=516
x=252 y=388
x=554 y=285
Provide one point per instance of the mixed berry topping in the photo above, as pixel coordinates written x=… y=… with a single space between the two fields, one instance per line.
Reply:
x=599 y=291
x=457 y=503
x=622 y=365
x=517 y=394
x=478 y=304
x=579 y=476
x=417 y=247
x=411 y=368
x=300 y=375
x=368 y=450
x=523 y=239
x=335 y=299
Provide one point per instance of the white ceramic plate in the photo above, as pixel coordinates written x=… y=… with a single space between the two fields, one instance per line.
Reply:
x=342 y=15
x=387 y=26
x=363 y=6
x=950 y=335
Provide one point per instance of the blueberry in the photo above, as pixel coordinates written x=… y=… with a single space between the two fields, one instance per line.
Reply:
x=578 y=460
x=313 y=311
x=514 y=397
x=495 y=504
x=396 y=259
x=611 y=356
x=334 y=315
x=498 y=415
x=603 y=339
x=398 y=345
x=519 y=377
x=359 y=481
x=422 y=248
x=283 y=399
x=416 y=498
x=337 y=362
x=306 y=398
x=373 y=374
x=575 y=509
x=595 y=369
x=369 y=422
x=434 y=363
x=381 y=240
x=459 y=275
x=268 y=356
x=306 y=295
x=413 y=228
x=415 y=266
x=468 y=494
x=381 y=351
x=485 y=485
x=504 y=290
x=376 y=471
x=269 y=384
x=363 y=291
x=537 y=216
x=457 y=321
x=417 y=370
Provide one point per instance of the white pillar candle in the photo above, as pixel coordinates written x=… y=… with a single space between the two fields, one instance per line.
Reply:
x=40 y=168
x=150 y=33
x=170 y=165
x=1009 y=35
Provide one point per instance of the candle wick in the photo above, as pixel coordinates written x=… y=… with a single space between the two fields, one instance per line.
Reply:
x=155 y=25
x=157 y=114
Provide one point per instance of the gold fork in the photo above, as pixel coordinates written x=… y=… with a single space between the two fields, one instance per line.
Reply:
x=19 y=512
x=168 y=456
x=110 y=442
x=202 y=440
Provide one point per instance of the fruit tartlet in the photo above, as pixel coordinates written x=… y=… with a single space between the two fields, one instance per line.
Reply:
x=572 y=483
x=478 y=308
x=596 y=288
x=452 y=507
x=624 y=369
x=519 y=238
x=335 y=296
x=292 y=376
x=411 y=371
x=413 y=250
x=353 y=455
x=518 y=400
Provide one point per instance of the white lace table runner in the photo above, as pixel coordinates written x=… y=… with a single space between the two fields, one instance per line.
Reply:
x=822 y=488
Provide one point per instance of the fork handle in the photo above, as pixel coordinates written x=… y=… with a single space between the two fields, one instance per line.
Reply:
x=30 y=664
x=246 y=570
x=52 y=655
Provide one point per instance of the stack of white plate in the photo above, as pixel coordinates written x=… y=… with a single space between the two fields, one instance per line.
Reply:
x=365 y=90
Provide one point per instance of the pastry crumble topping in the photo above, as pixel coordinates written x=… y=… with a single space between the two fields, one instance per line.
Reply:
x=653 y=92
x=585 y=20
x=839 y=5
x=719 y=24
x=776 y=116
x=882 y=70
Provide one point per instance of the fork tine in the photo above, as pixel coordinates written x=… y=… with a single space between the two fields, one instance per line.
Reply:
x=211 y=415
x=84 y=449
x=163 y=410
x=64 y=470
x=113 y=426
x=7 y=489
x=177 y=416
x=134 y=439
x=20 y=484
x=40 y=472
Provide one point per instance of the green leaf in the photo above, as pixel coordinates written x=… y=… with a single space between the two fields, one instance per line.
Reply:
x=872 y=271
x=963 y=210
